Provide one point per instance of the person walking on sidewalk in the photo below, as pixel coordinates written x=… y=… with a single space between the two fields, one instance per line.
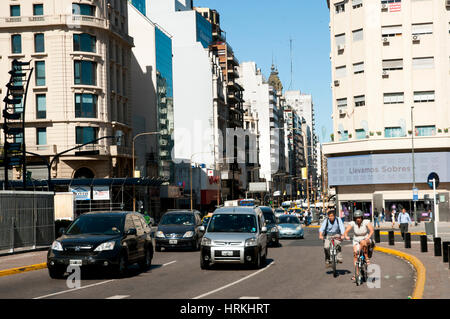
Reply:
x=393 y=217
x=375 y=218
x=404 y=220
x=382 y=215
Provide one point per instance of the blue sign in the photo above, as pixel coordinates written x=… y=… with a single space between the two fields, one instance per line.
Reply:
x=430 y=180
x=415 y=194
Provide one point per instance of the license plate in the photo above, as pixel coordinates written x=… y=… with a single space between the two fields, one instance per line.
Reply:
x=75 y=262
x=173 y=241
x=227 y=253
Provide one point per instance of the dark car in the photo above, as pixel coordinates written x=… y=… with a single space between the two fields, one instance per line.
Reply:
x=111 y=240
x=179 y=229
x=273 y=236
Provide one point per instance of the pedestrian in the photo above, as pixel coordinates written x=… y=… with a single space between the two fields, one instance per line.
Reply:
x=430 y=214
x=404 y=220
x=342 y=215
x=375 y=218
x=393 y=217
x=382 y=215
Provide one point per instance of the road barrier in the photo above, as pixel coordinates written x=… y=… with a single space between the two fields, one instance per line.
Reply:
x=423 y=243
x=445 y=251
x=391 y=238
x=437 y=247
x=407 y=240
x=377 y=236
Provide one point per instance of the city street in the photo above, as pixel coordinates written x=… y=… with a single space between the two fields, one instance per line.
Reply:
x=294 y=270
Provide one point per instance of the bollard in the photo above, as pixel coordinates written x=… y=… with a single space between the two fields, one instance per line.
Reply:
x=423 y=243
x=437 y=247
x=445 y=251
x=391 y=237
x=407 y=240
x=449 y=259
x=377 y=236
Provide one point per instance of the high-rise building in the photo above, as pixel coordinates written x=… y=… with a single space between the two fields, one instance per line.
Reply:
x=80 y=89
x=391 y=85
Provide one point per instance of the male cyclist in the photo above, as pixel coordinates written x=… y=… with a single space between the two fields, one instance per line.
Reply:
x=331 y=227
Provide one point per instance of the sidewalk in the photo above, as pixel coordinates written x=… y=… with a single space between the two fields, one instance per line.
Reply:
x=24 y=259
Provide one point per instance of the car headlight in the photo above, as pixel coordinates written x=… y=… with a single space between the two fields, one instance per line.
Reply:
x=299 y=227
x=250 y=242
x=57 y=246
x=206 y=241
x=274 y=229
x=105 y=246
x=160 y=234
x=188 y=234
x=279 y=227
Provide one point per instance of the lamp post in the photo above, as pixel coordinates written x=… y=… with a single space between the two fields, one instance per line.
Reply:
x=134 y=164
x=413 y=166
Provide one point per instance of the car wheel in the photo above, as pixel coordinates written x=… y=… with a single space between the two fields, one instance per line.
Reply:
x=258 y=261
x=203 y=263
x=146 y=263
x=56 y=272
x=121 y=268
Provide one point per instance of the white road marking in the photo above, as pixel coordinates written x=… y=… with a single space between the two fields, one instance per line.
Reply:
x=234 y=283
x=247 y=297
x=166 y=264
x=74 y=289
x=118 y=297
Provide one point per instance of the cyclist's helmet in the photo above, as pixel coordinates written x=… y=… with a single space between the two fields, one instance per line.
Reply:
x=357 y=214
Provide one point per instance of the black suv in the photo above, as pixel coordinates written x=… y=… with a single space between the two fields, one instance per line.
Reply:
x=111 y=240
x=179 y=229
x=273 y=234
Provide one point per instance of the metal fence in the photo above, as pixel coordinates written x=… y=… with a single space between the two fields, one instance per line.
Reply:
x=26 y=219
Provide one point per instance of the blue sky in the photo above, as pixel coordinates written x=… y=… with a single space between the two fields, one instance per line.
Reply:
x=258 y=29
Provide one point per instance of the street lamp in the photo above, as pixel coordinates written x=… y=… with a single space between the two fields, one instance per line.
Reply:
x=134 y=164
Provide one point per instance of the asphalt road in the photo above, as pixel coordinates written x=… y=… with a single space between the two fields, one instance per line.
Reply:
x=294 y=270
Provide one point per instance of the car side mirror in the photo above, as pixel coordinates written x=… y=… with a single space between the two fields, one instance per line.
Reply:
x=201 y=228
x=264 y=229
x=61 y=231
x=131 y=232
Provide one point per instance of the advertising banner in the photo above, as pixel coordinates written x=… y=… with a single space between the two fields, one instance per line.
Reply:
x=81 y=192
x=101 y=193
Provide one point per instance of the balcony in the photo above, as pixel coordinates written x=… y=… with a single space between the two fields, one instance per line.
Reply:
x=233 y=73
x=232 y=60
x=70 y=20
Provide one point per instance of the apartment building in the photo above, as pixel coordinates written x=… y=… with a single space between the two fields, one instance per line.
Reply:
x=80 y=88
x=390 y=64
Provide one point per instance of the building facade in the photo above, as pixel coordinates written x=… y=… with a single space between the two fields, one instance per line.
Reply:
x=391 y=85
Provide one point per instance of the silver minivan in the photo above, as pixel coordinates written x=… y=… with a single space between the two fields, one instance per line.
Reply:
x=235 y=235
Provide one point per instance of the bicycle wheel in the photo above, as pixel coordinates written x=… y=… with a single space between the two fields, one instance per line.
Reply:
x=364 y=272
x=333 y=260
x=358 y=277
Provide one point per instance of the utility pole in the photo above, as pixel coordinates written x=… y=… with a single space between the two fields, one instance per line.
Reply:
x=413 y=166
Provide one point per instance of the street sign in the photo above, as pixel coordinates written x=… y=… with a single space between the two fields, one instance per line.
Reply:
x=415 y=194
x=430 y=180
x=257 y=187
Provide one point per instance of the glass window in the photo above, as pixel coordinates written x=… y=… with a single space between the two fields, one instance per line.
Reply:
x=84 y=42
x=343 y=136
x=232 y=223
x=138 y=226
x=15 y=11
x=83 y=9
x=360 y=134
x=358 y=35
x=340 y=39
x=41 y=136
x=85 y=72
x=422 y=28
x=340 y=7
x=18 y=108
x=358 y=68
x=341 y=103
x=204 y=30
x=393 y=132
x=39 y=44
x=38 y=9
x=178 y=219
x=86 y=105
x=18 y=138
x=423 y=63
x=98 y=224
x=393 y=98
x=86 y=134
x=341 y=72
x=424 y=96
x=16 y=43
x=390 y=65
x=41 y=106
x=360 y=100
x=357 y=4
x=391 y=31
x=40 y=73
x=426 y=130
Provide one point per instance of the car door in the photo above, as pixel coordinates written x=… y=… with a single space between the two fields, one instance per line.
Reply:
x=130 y=240
x=140 y=237
x=198 y=223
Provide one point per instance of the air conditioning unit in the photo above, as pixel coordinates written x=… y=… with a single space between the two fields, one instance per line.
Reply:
x=385 y=40
x=416 y=38
x=341 y=47
x=341 y=112
x=336 y=83
x=385 y=74
x=384 y=7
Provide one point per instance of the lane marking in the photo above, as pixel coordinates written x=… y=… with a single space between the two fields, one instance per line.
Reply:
x=23 y=269
x=247 y=297
x=235 y=282
x=74 y=289
x=118 y=297
x=171 y=262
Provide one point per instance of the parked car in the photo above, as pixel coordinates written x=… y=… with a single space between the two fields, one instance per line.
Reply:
x=271 y=224
x=179 y=229
x=290 y=227
x=235 y=235
x=279 y=211
x=111 y=240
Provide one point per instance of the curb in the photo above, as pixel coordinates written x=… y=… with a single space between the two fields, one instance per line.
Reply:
x=19 y=270
x=399 y=233
x=418 y=266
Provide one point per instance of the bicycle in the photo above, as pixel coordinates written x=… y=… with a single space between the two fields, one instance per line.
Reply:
x=361 y=274
x=333 y=255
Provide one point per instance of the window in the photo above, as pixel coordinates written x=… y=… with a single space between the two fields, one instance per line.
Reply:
x=40 y=73
x=14 y=11
x=358 y=35
x=86 y=105
x=39 y=45
x=340 y=7
x=83 y=9
x=393 y=98
x=342 y=103
x=84 y=42
x=423 y=63
x=360 y=100
x=38 y=9
x=340 y=39
x=341 y=71
x=41 y=136
x=16 y=43
x=358 y=68
x=422 y=28
x=391 y=31
x=85 y=72
x=391 y=65
x=357 y=4
x=86 y=134
x=41 y=106
x=393 y=132
x=424 y=96
x=390 y=1
x=425 y=130
x=343 y=136
x=18 y=138
x=360 y=134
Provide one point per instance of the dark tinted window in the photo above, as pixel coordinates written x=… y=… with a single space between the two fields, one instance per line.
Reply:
x=270 y=218
x=286 y=219
x=178 y=219
x=233 y=223
x=96 y=224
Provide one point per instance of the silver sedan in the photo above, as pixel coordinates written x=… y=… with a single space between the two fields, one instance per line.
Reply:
x=290 y=227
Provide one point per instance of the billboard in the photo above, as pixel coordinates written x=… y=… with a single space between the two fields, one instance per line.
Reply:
x=81 y=192
x=101 y=193
x=387 y=168
x=257 y=187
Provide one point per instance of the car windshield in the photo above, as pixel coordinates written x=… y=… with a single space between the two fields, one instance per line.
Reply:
x=232 y=223
x=270 y=218
x=178 y=219
x=284 y=219
x=97 y=225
